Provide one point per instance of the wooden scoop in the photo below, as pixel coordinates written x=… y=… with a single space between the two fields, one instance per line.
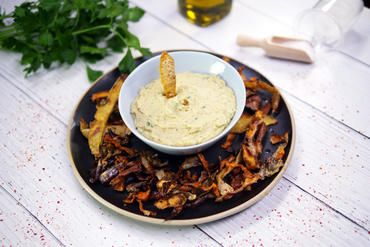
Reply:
x=281 y=47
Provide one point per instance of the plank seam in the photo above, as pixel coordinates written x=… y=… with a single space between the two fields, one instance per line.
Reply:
x=32 y=215
x=206 y=233
x=325 y=114
x=335 y=210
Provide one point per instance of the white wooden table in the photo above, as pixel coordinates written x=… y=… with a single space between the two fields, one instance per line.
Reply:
x=323 y=199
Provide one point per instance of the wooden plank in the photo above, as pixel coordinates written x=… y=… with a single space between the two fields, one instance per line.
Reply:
x=65 y=102
x=38 y=144
x=36 y=171
x=49 y=95
x=19 y=228
x=335 y=83
x=330 y=161
x=287 y=217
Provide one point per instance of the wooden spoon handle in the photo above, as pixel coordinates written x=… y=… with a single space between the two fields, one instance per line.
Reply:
x=245 y=40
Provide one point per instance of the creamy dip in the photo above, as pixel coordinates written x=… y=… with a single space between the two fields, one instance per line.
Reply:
x=203 y=107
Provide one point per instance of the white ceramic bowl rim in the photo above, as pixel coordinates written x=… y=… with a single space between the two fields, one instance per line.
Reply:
x=233 y=121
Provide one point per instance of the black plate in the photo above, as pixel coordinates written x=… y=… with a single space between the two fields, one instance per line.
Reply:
x=83 y=161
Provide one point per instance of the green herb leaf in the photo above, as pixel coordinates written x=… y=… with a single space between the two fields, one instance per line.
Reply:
x=132 y=40
x=92 y=50
x=145 y=52
x=69 y=56
x=19 y=12
x=116 y=44
x=27 y=58
x=127 y=64
x=116 y=11
x=135 y=14
x=92 y=75
x=47 y=61
x=49 y=4
x=46 y=39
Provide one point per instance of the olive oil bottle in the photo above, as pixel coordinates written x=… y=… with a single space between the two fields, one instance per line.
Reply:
x=204 y=12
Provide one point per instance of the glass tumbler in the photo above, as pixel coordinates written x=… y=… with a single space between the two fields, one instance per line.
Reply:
x=328 y=20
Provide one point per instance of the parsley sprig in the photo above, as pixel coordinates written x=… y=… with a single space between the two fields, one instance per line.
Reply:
x=60 y=31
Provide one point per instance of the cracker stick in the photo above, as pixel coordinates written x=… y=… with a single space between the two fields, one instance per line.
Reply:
x=167 y=74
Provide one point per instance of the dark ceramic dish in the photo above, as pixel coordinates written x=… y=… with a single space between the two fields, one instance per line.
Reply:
x=82 y=161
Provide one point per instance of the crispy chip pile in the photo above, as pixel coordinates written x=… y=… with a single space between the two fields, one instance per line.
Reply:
x=156 y=185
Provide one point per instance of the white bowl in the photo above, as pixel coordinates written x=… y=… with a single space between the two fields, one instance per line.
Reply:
x=185 y=61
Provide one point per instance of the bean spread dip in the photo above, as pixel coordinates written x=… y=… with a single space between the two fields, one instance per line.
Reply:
x=202 y=108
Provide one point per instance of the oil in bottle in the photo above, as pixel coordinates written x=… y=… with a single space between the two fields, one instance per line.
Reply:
x=204 y=12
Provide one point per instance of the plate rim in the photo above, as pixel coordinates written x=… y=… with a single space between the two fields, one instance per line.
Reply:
x=176 y=222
